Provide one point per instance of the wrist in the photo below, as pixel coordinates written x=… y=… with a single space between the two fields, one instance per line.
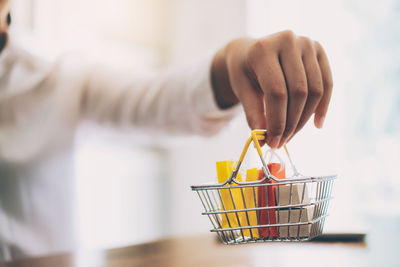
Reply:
x=221 y=86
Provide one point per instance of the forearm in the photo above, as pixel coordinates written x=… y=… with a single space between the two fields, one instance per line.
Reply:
x=178 y=101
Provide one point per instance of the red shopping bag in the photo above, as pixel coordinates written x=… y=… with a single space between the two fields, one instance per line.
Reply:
x=266 y=198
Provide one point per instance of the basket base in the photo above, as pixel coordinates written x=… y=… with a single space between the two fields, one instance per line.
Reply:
x=247 y=240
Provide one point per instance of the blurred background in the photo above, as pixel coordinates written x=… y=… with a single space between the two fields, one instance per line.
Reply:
x=133 y=189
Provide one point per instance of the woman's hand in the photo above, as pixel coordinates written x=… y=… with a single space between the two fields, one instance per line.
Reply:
x=281 y=80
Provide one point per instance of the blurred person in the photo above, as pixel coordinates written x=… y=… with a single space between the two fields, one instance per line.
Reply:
x=280 y=80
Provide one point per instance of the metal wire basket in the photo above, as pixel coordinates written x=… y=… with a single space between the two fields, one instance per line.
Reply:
x=239 y=214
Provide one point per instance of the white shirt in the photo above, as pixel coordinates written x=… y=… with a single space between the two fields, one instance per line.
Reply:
x=41 y=105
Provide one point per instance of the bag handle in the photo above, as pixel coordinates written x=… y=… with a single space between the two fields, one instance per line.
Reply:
x=295 y=172
x=271 y=152
x=257 y=135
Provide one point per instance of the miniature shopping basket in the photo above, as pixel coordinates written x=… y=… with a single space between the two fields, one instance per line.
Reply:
x=269 y=209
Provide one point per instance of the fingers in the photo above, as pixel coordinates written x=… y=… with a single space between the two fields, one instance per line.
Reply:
x=250 y=96
x=253 y=106
x=272 y=82
x=314 y=82
x=252 y=102
x=319 y=84
x=296 y=81
x=326 y=73
x=281 y=81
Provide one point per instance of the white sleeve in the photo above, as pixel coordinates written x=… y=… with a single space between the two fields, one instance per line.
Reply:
x=177 y=101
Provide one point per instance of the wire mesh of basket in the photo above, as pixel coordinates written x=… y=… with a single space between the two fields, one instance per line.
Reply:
x=270 y=209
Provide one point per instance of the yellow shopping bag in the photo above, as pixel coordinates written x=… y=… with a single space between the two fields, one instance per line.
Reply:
x=250 y=197
x=231 y=198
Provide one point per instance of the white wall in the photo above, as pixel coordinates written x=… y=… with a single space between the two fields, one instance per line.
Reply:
x=363 y=102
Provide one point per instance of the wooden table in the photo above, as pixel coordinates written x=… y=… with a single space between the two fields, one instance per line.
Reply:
x=382 y=249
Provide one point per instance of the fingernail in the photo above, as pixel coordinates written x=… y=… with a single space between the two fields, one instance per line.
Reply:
x=319 y=122
x=282 y=142
x=274 y=142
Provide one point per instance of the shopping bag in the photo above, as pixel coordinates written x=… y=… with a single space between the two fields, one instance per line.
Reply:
x=249 y=218
x=231 y=197
x=266 y=198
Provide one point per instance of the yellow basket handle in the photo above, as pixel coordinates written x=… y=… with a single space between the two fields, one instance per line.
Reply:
x=256 y=135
